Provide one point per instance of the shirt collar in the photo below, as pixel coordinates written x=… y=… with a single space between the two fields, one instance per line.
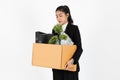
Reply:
x=64 y=26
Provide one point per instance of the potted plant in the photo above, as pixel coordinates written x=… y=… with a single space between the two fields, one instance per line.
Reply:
x=56 y=39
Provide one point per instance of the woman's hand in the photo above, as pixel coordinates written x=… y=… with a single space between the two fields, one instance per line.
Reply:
x=69 y=63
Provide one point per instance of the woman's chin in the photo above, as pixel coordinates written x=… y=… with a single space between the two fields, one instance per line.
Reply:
x=61 y=23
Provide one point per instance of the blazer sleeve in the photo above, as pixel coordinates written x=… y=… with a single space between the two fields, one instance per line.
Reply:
x=77 y=42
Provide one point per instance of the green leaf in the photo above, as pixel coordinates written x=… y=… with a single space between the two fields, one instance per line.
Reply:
x=63 y=37
x=58 y=28
x=53 y=40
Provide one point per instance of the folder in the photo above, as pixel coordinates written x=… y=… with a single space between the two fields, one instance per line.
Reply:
x=41 y=37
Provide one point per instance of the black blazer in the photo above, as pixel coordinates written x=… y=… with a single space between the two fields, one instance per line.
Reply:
x=74 y=33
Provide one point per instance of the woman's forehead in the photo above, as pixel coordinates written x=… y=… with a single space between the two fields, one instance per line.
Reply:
x=59 y=12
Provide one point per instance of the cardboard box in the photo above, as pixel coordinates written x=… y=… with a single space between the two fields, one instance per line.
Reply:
x=52 y=55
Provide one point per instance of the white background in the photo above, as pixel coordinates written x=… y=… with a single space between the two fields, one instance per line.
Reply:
x=99 y=24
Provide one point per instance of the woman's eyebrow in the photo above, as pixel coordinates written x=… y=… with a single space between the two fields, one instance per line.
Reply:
x=60 y=14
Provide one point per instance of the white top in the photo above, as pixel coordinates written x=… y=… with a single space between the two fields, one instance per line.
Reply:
x=64 y=26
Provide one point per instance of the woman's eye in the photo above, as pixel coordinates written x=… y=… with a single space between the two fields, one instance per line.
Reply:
x=60 y=15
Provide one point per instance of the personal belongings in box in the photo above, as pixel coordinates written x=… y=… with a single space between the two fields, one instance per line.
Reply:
x=41 y=37
x=61 y=38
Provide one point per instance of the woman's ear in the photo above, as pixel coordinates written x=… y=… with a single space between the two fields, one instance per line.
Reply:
x=67 y=14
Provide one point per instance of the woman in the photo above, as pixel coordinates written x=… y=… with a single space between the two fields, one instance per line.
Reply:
x=64 y=18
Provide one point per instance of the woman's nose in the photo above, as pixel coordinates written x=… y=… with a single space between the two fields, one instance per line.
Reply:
x=58 y=19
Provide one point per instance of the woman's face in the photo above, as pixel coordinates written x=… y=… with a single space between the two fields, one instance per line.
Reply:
x=61 y=17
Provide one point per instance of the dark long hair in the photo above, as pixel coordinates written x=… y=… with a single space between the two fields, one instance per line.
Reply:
x=66 y=10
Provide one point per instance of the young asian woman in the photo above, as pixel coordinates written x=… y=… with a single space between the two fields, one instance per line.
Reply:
x=64 y=18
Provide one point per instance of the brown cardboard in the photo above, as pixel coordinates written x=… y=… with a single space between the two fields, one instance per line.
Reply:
x=52 y=55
